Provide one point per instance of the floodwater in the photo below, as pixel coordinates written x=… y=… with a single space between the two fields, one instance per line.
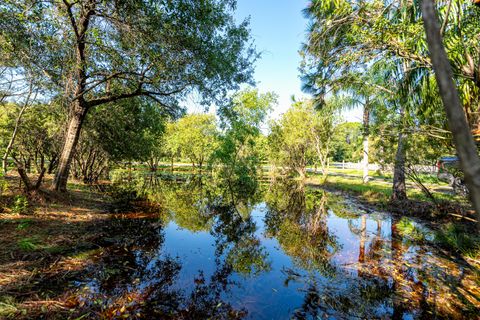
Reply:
x=288 y=251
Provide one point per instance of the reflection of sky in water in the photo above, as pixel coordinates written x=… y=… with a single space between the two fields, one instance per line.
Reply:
x=365 y=272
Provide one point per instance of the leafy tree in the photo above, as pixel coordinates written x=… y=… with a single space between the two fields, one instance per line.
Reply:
x=301 y=134
x=465 y=145
x=238 y=156
x=195 y=137
x=122 y=131
x=347 y=142
x=97 y=52
x=36 y=146
x=348 y=41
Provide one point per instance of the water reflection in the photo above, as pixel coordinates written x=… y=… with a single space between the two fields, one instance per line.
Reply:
x=287 y=252
x=298 y=221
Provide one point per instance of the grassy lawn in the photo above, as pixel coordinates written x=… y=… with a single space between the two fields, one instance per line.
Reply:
x=379 y=190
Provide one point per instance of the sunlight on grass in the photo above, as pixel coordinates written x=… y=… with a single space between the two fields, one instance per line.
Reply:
x=377 y=190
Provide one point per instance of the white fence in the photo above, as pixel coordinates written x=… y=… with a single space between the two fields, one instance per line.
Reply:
x=385 y=168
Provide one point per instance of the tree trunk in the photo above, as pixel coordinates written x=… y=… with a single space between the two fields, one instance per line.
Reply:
x=366 y=133
x=399 y=188
x=462 y=137
x=71 y=140
x=301 y=170
x=15 y=131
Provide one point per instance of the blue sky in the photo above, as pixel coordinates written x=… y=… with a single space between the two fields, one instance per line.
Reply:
x=278 y=30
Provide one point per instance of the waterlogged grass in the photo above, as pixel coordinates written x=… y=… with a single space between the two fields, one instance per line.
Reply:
x=409 y=230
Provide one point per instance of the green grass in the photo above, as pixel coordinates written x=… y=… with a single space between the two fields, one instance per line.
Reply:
x=355 y=172
x=456 y=237
x=378 y=190
x=24 y=224
x=28 y=244
x=78 y=186
x=8 y=307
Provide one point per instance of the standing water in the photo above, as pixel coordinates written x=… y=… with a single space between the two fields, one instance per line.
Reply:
x=287 y=252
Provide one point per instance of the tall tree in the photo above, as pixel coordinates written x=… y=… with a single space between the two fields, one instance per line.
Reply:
x=465 y=145
x=238 y=154
x=95 y=52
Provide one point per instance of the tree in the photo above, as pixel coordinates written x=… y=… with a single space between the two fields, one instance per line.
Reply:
x=96 y=52
x=348 y=41
x=238 y=156
x=36 y=146
x=195 y=136
x=301 y=135
x=23 y=108
x=347 y=142
x=465 y=145
x=122 y=131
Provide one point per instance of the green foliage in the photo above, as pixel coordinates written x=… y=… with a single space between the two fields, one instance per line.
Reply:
x=302 y=135
x=20 y=205
x=28 y=244
x=8 y=306
x=347 y=142
x=135 y=48
x=194 y=137
x=38 y=139
x=458 y=238
x=126 y=131
x=238 y=157
x=24 y=224
x=3 y=184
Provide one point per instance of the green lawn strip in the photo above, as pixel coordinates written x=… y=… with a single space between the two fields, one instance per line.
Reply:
x=379 y=190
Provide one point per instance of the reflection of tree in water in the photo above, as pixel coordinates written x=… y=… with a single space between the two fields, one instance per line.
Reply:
x=395 y=279
x=184 y=202
x=297 y=218
x=132 y=279
x=236 y=241
x=203 y=205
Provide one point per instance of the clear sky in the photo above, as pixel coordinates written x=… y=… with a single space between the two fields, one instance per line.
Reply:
x=278 y=30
